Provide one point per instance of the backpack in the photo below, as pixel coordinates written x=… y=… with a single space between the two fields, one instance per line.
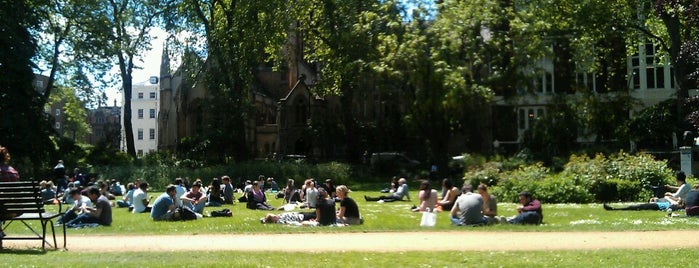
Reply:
x=222 y=213
x=186 y=214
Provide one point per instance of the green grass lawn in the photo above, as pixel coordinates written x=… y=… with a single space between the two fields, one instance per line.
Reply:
x=394 y=217
x=379 y=217
x=577 y=258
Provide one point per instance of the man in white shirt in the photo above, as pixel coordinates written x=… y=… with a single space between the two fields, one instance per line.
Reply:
x=140 y=199
x=681 y=189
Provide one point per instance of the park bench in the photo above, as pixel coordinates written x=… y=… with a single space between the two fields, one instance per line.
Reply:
x=21 y=201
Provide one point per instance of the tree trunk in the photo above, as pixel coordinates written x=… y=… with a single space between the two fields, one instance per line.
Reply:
x=128 y=127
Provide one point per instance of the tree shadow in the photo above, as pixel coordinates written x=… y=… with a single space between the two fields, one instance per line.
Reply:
x=25 y=251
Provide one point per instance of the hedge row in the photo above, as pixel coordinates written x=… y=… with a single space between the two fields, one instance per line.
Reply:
x=160 y=175
x=618 y=177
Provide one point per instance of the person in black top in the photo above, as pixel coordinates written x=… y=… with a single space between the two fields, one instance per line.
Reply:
x=325 y=209
x=349 y=211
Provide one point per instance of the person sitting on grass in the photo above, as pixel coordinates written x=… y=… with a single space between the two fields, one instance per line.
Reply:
x=227 y=190
x=195 y=198
x=291 y=194
x=450 y=193
x=467 y=209
x=214 y=194
x=427 y=196
x=256 y=198
x=490 y=204
x=325 y=208
x=164 y=207
x=101 y=214
x=115 y=188
x=127 y=199
x=681 y=190
x=529 y=212
x=273 y=186
x=349 y=211
x=399 y=194
x=310 y=193
x=104 y=189
x=140 y=199
x=79 y=201
x=48 y=195
x=691 y=202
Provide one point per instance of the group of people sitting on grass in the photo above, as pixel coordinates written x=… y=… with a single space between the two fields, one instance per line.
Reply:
x=464 y=206
x=320 y=199
x=92 y=205
x=678 y=197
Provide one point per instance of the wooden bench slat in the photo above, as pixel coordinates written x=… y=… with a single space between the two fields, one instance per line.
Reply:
x=5 y=191
x=19 y=184
x=22 y=201
x=24 y=210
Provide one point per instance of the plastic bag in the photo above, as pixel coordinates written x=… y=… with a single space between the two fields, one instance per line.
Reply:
x=429 y=219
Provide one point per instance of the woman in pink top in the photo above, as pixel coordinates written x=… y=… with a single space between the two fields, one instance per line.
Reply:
x=428 y=197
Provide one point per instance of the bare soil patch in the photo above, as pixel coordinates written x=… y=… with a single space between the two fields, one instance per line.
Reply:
x=382 y=242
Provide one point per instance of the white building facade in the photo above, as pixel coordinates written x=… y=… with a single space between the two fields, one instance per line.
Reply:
x=144 y=117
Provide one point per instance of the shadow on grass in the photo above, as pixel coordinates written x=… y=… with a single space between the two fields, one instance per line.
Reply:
x=25 y=251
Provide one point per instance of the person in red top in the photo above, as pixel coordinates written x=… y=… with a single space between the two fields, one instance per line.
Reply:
x=529 y=211
x=7 y=172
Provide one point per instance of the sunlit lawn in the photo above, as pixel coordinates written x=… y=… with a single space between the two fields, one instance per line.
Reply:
x=202 y=258
x=393 y=217
x=379 y=217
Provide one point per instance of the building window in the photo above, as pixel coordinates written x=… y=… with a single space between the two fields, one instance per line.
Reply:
x=140 y=95
x=152 y=95
x=140 y=153
x=140 y=134
x=58 y=112
x=58 y=125
x=586 y=80
x=140 y=113
x=647 y=65
x=544 y=84
x=152 y=113
x=151 y=134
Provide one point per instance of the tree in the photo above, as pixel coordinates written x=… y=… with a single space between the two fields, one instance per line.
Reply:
x=332 y=31
x=24 y=127
x=239 y=36
x=76 y=126
x=117 y=31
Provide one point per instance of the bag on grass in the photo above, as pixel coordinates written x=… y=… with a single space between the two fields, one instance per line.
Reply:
x=429 y=219
x=222 y=213
x=186 y=214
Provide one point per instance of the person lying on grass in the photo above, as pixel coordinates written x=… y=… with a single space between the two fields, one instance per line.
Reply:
x=654 y=204
x=399 y=194
x=291 y=218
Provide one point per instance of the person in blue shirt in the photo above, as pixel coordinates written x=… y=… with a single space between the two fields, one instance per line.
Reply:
x=164 y=206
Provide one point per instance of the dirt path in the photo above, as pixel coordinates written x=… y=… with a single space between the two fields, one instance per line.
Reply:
x=383 y=242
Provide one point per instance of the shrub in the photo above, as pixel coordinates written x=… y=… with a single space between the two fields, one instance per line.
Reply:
x=618 y=177
x=525 y=178
x=159 y=174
